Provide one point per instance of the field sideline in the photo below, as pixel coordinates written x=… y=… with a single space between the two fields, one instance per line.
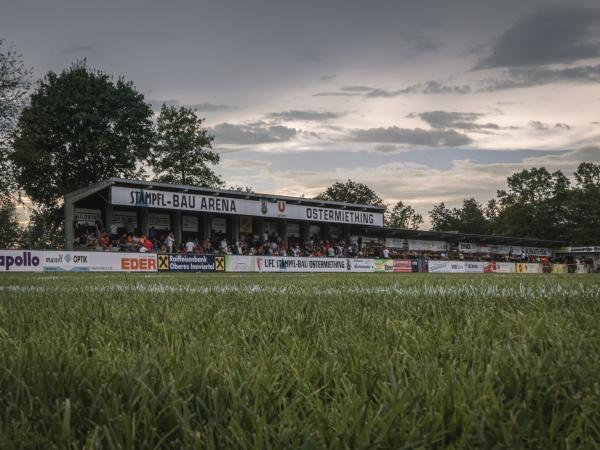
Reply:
x=141 y=361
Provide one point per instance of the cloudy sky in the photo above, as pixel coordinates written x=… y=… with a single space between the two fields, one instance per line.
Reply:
x=423 y=101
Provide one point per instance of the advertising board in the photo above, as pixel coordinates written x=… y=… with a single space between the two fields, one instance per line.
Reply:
x=21 y=261
x=446 y=266
x=430 y=246
x=474 y=267
x=298 y=264
x=505 y=267
x=383 y=265
x=406 y=265
x=361 y=265
x=559 y=268
x=187 y=263
x=528 y=268
x=239 y=263
x=122 y=262
x=56 y=261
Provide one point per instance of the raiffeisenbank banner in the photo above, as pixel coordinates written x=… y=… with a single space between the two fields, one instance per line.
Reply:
x=262 y=208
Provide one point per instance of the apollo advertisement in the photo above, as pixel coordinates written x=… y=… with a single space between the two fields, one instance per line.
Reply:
x=361 y=265
x=21 y=261
x=262 y=208
x=190 y=263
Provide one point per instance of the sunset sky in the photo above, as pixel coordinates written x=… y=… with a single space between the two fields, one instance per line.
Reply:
x=423 y=101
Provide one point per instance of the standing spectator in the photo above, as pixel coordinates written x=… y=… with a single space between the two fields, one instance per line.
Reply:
x=386 y=253
x=148 y=245
x=189 y=246
x=170 y=239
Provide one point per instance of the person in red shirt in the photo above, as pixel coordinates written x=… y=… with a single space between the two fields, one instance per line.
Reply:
x=148 y=245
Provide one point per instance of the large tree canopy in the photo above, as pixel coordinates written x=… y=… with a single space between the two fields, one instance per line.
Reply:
x=80 y=127
x=403 y=216
x=14 y=82
x=351 y=192
x=182 y=152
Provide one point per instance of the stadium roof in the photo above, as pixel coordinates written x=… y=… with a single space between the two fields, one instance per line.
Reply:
x=148 y=185
x=451 y=236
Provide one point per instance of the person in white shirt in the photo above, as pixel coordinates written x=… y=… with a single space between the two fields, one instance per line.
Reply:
x=169 y=241
x=386 y=253
x=142 y=249
x=189 y=246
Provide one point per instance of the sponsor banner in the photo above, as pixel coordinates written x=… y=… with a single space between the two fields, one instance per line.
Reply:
x=384 y=265
x=428 y=246
x=21 y=261
x=245 y=224
x=159 y=221
x=124 y=218
x=536 y=251
x=395 y=243
x=293 y=230
x=219 y=225
x=446 y=266
x=489 y=267
x=56 y=261
x=239 y=263
x=122 y=262
x=406 y=265
x=559 y=268
x=189 y=223
x=186 y=263
x=85 y=216
x=529 y=268
x=590 y=249
x=300 y=264
x=361 y=265
x=505 y=267
x=262 y=208
x=582 y=268
x=474 y=267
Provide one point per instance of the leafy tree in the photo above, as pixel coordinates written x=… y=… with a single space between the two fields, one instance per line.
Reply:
x=14 y=82
x=471 y=217
x=442 y=218
x=351 y=192
x=584 y=205
x=403 y=216
x=10 y=229
x=183 y=149
x=80 y=127
x=535 y=205
x=45 y=229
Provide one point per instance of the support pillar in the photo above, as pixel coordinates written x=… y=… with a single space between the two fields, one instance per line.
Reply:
x=304 y=230
x=177 y=227
x=235 y=229
x=260 y=227
x=143 y=221
x=283 y=232
x=206 y=226
x=69 y=220
x=108 y=217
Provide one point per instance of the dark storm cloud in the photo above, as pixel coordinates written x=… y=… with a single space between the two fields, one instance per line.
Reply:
x=251 y=133
x=441 y=120
x=305 y=115
x=552 y=34
x=538 y=76
x=200 y=107
x=414 y=136
x=430 y=87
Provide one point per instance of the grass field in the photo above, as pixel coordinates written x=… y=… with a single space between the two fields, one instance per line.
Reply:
x=299 y=361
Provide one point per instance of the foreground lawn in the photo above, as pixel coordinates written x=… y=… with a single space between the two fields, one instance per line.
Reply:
x=299 y=361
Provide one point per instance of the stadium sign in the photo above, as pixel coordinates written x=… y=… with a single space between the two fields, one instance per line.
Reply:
x=262 y=208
